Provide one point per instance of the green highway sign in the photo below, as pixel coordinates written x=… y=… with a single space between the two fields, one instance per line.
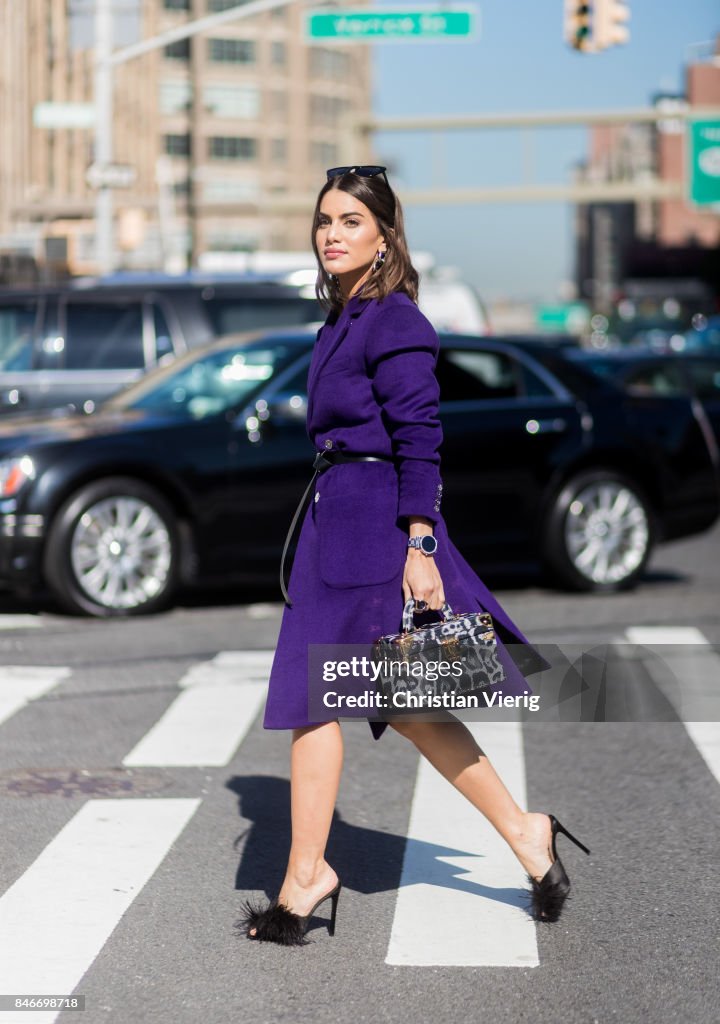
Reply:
x=704 y=162
x=572 y=317
x=448 y=24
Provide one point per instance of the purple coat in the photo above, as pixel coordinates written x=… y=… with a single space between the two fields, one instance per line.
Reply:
x=372 y=390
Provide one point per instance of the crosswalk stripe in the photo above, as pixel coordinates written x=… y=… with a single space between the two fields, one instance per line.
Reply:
x=650 y=635
x=459 y=902
x=208 y=720
x=21 y=621
x=20 y=684
x=57 y=916
x=699 y=677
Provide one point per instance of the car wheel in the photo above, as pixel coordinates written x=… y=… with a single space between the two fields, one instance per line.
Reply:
x=599 y=532
x=113 y=549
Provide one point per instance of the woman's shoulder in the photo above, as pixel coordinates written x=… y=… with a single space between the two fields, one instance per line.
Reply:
x=397 y=311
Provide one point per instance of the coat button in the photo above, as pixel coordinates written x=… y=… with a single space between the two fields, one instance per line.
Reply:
x=328 y=443
x=317 y=496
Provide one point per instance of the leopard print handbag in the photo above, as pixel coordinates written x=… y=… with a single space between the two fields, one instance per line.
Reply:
x=437 y=664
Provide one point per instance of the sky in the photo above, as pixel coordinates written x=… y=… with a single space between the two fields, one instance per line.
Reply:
x=518 y=62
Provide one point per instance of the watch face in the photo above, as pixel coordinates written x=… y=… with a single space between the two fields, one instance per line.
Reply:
x=429 y=545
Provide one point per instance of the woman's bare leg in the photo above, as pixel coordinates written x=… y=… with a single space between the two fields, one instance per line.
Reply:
x=315 y=768
x=452 y=750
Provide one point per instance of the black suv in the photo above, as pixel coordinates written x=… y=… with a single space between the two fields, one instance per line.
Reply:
x=75 y=345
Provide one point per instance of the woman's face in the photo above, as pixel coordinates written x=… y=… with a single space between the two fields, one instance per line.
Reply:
x=348 y=238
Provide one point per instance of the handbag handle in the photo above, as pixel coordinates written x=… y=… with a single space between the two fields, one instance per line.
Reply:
x=408 y=623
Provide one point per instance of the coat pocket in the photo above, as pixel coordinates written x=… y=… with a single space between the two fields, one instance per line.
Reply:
x=360 y=544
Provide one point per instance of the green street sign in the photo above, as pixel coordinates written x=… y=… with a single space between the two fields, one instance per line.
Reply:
x=448 y=24
x=572 y=317
x=704 y=162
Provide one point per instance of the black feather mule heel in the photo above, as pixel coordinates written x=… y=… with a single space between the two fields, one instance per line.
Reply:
x=548 y=896
x=275 y=923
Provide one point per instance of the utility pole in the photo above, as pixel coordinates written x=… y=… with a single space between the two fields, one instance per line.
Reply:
x=103 y=135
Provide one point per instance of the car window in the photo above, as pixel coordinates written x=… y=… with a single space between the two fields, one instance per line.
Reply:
x=103 y=336
x=656 y=380
x=204 y=386
x=17 y=334
x=705 y=378
x=532 y=385
x=467 y=375
x=297 y=384
x=163 y=337
x=229 y=315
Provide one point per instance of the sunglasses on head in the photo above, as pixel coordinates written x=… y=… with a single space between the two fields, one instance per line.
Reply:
x=365 y=171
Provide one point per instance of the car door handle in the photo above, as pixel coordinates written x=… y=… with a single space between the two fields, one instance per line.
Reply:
x=549 y=426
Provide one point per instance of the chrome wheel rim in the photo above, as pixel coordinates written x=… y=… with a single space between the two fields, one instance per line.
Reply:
x=606 y=532
x=121 y=552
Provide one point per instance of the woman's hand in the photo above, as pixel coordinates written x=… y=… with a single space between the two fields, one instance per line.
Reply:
x=421 y=580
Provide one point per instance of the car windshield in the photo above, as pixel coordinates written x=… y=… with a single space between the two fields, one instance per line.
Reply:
x=201 y=385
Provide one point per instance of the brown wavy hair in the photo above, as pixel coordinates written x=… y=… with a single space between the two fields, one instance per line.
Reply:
x=397 y=274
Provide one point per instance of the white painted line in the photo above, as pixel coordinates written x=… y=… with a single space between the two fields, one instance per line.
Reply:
x=21 y=621
x=702 y=676
x=706 y=737
x=58 y=915
x=261 y=611
x=651 y=635
x=459 y=903
x=206 y=723
x=20 y=684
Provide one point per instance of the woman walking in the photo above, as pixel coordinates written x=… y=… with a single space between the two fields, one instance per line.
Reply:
x=373 y=537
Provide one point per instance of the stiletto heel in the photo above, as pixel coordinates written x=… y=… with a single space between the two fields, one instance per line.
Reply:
x=275 y=923
x=333 y=914
x=548 y=896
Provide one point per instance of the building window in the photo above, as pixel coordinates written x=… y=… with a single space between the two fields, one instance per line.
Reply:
x=323 y=153
x=232 y=51
x=278 y=54
x=326 y=109
x=231 y=191
x=179 y=50
x=278 y=150
x=278 y=104
x=176 y=5
x=231 y=147
x=174 y=97
x=177 y=145
x=222 y=5
x=326 y=63
x=232 y=100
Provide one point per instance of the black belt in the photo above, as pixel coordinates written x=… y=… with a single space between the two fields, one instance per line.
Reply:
x=323 y=461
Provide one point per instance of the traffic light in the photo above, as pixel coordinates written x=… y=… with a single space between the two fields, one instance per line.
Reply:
x=578 y=30
x=609 y=29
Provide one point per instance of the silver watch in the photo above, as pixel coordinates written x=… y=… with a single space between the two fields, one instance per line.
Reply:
x=427 y=544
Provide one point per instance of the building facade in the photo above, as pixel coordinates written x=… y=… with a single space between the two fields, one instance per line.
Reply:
x=214 y=126
x=668 y=238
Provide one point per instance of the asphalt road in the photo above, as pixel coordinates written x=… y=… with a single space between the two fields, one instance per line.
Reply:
x=124 y=864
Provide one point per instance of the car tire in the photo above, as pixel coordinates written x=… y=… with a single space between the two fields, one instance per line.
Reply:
x=113 y=549
x=599 y=532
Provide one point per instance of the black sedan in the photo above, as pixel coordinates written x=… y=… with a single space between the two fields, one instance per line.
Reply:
x=192 y=474
x=668 y=373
